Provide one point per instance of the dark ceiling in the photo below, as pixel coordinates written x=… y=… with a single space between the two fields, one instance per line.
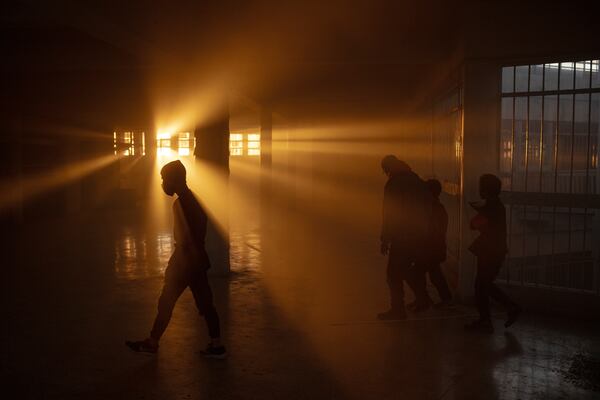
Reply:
x=290 y=52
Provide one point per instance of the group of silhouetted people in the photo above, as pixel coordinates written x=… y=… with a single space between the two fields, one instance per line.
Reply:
x=414 y=236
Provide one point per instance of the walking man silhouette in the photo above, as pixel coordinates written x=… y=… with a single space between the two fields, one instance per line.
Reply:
x=187 y=266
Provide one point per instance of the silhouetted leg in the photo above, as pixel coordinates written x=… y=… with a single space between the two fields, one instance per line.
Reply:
x=175 y=283
x=487 y=270
x=482 y=284
x=415 y=277
x=498 y=295
x=395 y=279
x=439 y=281
x=204 y=302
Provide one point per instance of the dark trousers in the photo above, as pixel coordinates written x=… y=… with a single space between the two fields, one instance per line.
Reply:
x=436 y=276
x=178 y=276
x=401 y=269
x=487 y=271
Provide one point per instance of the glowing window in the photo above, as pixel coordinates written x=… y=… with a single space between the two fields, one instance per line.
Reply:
x=236 y=144
x=129 y=143
x=163 y=144
x=253 y=144
x=244 y=144
x=181 y=143
x=185 y=143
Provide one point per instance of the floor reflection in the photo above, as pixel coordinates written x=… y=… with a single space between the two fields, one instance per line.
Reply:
x=144 y=254
x=245 y=251
x=141 y=254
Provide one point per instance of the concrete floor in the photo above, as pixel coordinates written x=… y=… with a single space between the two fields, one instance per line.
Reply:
x=71 y=296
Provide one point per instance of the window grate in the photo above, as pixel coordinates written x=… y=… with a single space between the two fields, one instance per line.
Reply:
x=549 y=138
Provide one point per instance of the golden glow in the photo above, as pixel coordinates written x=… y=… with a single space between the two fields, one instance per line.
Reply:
x=181 y=143
x=16 y=191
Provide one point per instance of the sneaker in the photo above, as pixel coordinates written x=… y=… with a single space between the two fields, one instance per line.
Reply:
x=142 y=346
x=483 y=326
x=513 y=314
x=391 y=315
x=211 y=351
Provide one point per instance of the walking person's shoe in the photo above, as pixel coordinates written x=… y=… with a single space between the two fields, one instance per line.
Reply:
x=143 y=346
x=391 y=315
x=513 y=314
x=482 y=326
x=211 y=351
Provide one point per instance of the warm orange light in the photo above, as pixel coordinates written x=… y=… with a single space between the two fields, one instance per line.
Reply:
x=31 y=186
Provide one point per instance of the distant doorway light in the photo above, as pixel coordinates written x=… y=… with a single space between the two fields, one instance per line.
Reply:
x=180 y=143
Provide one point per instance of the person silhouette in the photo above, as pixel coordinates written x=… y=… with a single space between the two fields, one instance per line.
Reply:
x=490 y=248
x=406 y=215
x=437 y=244
x=187 y=266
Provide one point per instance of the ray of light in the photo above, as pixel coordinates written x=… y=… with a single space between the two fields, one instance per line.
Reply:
x=15 y=191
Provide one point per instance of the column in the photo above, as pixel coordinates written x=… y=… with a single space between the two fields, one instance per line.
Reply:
x=212 y=147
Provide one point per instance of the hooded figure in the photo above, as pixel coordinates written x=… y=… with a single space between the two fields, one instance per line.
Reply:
x=407 y=205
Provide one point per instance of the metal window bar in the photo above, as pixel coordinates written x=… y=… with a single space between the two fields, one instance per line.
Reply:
x=555 y=162
x=571 y=266
x=571 y=165
x=526 y=180
x=512 y=173
x=587 y=167
x=541 y=171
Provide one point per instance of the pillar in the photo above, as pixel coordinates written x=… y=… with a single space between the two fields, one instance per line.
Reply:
x=266 y=165
x=212 y=147
x=480 y=153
